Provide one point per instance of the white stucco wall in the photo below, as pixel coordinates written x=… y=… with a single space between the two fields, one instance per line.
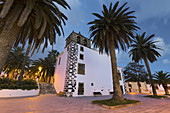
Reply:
x=4 y=93
x=97 y=71
x=135 y=88
x=60 y=70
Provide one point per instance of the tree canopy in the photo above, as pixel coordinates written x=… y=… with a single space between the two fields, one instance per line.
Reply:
x=47 y=66
x=161 y=77
x=14 y=61
x=134 y=72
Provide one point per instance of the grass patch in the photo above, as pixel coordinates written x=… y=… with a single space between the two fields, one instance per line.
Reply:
x=157 y=97
x=111 y=102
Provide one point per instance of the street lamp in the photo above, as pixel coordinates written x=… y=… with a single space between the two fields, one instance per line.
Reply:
x=40 y=68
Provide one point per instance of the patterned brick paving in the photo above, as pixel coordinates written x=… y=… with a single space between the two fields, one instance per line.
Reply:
x=54 y=104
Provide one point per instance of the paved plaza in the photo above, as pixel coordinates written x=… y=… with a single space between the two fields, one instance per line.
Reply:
x=55 y=104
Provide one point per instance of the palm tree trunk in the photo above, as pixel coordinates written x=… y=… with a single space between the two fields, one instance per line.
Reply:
x=150 y=76
x=49 y=79
x=52 y=48
x=166 y=89
x=24 y=62
x=139 y=86
x=7 y=39
x=117 y=95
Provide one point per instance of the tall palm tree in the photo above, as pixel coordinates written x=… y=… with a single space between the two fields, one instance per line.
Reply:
x=113 y=30
x=144 y=48
x=24 y=63
x=162 y=78
x=35 y=21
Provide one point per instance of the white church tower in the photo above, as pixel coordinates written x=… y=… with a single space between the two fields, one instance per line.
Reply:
x=82 y=71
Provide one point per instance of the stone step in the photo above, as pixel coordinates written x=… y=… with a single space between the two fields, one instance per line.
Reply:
x=47 y=88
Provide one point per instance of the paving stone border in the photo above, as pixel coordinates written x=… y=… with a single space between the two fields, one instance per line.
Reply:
x=118 y=106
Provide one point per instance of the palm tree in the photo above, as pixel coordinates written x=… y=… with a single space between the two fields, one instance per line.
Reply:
x=111 y=31
x=144 y=48
x=23 y=63
x=32 y=21
x=14 y=61
x=162 y=78
x=47 y=64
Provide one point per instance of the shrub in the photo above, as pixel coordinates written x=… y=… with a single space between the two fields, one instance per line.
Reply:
x=60 y=93
x=26 y=84
x=6 y=81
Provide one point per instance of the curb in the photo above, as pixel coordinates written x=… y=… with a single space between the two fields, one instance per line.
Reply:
x=118 y=106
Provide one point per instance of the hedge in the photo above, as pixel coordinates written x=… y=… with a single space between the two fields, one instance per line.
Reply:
x=26 y=84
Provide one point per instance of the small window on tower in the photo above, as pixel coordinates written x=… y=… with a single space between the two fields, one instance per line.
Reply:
x=78 y=39
x=81 y=49
x=85 y=42
x=67 y=48
x=92 y=84
x=81 y=56
x=59 y=61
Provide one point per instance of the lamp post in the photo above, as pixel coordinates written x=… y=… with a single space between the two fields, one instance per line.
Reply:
x=39 y=68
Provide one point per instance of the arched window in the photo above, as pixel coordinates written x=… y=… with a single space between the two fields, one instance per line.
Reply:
x=78 y=39
x=85 y=42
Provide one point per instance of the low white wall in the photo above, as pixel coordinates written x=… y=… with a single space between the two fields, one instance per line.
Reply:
x=160 y=89
x=4 y=93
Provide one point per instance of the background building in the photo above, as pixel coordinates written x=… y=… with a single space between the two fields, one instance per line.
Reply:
x=159 y=89
x=82 y=71
x=133 y=87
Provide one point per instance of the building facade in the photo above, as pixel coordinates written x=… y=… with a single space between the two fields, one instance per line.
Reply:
x=133 y=87
x=82 y=71
x=159 y=89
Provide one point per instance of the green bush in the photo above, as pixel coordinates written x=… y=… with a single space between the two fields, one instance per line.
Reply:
x=26 y=84
x=6 y=81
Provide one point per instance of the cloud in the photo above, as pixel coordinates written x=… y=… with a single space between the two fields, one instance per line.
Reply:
x=166 y=20
x=60 y=44
x=122 y=58
x=74 y=3
x=145 y=9
x=163 y=45
x=166 y=61
x=76 y=14
x=151 y=8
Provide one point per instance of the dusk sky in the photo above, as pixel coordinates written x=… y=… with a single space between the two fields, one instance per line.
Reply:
x=153 y=17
